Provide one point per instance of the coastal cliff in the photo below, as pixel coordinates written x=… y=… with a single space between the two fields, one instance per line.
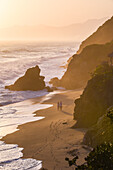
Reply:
x=92 y=52
x=103 y=35
x=80 y=67
x=96 y=98
x=30 y=81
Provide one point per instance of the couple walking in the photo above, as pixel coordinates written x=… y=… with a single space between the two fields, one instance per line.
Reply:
x=59 y=105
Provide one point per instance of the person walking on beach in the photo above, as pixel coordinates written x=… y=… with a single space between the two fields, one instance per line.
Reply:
x=60 y=105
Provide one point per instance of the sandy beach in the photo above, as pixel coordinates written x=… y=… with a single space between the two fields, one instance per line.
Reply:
x=52 y=139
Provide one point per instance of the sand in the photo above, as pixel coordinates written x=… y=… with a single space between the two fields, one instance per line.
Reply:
x=52 y=139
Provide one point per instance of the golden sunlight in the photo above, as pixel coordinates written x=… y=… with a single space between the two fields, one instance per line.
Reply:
x=3 y=7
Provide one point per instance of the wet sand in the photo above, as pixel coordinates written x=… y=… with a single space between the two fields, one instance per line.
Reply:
x=52 y=139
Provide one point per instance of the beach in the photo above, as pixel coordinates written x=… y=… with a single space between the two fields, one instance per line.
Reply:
x=52 y=139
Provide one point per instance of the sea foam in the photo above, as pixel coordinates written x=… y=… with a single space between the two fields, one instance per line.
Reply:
x=15 y=59
x=11 y=117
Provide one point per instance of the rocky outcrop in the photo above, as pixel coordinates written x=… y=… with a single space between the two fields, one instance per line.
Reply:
x=96 y=98
x=103 y=35
x=30 y=81
x=82 y=65
x=55 y=82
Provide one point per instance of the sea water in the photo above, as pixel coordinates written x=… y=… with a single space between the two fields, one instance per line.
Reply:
x=15 y=59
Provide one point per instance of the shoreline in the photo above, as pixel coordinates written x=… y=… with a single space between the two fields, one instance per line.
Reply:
x=52 y=138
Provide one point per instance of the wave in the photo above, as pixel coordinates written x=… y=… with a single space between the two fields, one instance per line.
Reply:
x=9 y=57
x=33 y=49
x=20 y=50
x=22 y=164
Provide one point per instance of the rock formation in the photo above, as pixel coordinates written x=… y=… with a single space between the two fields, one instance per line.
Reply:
x=93 y=51
x=82 y=65
x=30 y=81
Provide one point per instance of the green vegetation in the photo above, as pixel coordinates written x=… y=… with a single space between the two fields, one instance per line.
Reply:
x=96 y=98
x=110 y=113
x=100 y=158
x=103 y=69
x=101 y=132
x=94 y=108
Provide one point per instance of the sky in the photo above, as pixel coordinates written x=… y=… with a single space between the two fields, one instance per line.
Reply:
x=52 y=12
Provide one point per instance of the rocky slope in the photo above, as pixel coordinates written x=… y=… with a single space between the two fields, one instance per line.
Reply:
x=93 y=51
x=30 y=81
x=80 y=67
x=96 y=98
x=103 y=35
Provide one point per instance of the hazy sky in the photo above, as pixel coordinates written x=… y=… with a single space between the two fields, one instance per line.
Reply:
x=52 y=12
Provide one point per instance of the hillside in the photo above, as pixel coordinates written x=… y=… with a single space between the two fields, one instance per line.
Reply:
x=96 y=98
x=103 y=35
x=80 y=67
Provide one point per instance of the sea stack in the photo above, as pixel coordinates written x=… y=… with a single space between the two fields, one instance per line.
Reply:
x=30 y=81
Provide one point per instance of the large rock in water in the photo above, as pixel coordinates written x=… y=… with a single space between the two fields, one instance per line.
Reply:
x=30 y=81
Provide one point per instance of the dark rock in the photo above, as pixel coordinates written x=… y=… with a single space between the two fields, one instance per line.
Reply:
x=55 y=82
x=51 y=89
x=30 y=81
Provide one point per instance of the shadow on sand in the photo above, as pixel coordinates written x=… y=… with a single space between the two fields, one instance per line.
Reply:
x=66 y=113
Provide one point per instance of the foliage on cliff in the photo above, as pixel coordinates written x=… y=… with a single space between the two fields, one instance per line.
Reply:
x=96 y=98
x=100 y=157
x=110 y=113
x=103 y=35
x=101 y=132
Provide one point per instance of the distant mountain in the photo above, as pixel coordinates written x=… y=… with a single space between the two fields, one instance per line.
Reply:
x=103 y=35
x=74 y=32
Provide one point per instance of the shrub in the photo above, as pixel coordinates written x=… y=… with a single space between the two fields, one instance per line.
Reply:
x=100 y=158
x=103 y=69
x=110 y=113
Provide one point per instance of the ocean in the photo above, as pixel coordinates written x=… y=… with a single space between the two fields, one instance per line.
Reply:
x=16 y=108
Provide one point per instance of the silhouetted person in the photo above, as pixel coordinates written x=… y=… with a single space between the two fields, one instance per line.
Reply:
x=60 y=104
